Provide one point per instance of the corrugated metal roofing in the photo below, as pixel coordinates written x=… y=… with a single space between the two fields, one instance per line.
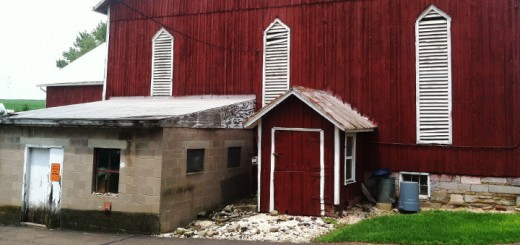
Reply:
x=88 y=69
x=127 y=109
x=339 y=113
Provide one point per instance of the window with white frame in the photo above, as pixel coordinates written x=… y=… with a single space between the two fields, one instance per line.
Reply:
x=350 y=158
x=433 y=77
x=276 y=61
x=162 y=64
x=423 y=179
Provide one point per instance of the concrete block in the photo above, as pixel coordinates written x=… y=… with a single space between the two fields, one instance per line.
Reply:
x=480 y=188
x=493 y=180
x=384 y=206
x=44 y=141
x=470 y=180
x=456 y=199
x=504 y=189
x=119 y=144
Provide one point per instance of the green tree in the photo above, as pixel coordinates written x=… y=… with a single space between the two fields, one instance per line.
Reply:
x=85 y=41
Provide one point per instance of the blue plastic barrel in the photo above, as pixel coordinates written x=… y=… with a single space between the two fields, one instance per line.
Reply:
x=409 y=196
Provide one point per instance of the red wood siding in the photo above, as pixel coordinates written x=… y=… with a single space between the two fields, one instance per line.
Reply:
x=363 y=51
x=68 y=95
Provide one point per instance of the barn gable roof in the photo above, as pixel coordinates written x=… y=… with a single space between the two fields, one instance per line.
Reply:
x=89 y=69
x=339 y=113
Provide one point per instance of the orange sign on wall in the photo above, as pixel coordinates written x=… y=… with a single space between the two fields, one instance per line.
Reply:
x=55 y=172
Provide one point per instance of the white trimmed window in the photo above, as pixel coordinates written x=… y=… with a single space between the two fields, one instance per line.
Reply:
x=350 y=158
x=423 y=179
x=162 y=64
x=276 y=61
x=433 y=77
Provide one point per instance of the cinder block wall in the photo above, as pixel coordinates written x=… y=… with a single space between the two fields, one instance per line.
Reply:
x=11 y=175
x=134 y=209
x=185 y=194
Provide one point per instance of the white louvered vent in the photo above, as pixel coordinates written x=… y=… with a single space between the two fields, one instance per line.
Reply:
x=276 y=61
x=162 y=64
x=433 y=61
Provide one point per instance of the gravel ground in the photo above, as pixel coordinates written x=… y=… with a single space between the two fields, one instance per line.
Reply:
x=242 y=223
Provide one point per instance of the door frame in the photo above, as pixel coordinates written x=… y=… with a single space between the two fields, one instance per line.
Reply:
x=25 y=168
x=322 y=164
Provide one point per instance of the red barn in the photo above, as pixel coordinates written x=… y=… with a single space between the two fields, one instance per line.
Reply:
x=427 y=88
x=438 y=78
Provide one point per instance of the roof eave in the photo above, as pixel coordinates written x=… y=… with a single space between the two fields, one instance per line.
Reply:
x=69 y=84
x=80 y=123
x=102 y=7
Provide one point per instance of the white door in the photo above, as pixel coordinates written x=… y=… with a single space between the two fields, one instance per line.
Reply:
x=42 y=186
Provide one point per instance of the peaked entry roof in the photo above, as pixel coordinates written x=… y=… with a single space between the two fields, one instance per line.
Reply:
x=339 y=113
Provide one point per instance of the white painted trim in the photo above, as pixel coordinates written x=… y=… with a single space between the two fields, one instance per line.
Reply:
x=288 y=55
x=336 y=167
x=418 y=173
x=354 y=162
x=259 y=162
x=157 y=34
x=322 y=164
x=450 y=99
x=105 y=79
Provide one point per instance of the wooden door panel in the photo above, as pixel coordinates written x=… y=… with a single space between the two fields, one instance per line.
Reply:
x=297 y=172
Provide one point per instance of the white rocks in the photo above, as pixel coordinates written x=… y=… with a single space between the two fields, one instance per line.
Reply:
x=265 y=227
x=259 y=227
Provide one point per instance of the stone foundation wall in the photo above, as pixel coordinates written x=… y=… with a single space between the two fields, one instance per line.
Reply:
x=449 y=191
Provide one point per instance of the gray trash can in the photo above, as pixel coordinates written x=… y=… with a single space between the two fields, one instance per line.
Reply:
x=409 y=196
x=386 y=190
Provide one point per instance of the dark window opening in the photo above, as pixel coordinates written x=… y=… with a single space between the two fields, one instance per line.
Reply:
x=195 y=160
x=106 y=170
x=234 y=157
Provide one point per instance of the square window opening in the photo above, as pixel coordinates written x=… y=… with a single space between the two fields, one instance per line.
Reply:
x=195 y=160
x=106 y=170
x=423 y=179
x=234 y=157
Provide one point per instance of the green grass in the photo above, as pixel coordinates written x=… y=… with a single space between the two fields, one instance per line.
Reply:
x=432 y=227
x=23 y=105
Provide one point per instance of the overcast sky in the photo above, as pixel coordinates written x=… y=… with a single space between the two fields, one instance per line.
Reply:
x=34 y=33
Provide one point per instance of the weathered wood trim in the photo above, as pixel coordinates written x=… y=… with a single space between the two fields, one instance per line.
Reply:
x=259 y=162
x=336 y=166
x=231 y=116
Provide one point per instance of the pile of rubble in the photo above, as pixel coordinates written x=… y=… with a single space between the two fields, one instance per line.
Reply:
x=244 y=223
